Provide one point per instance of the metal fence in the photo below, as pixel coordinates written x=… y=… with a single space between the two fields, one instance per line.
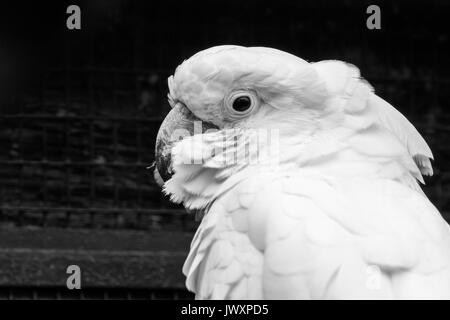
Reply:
x=74 y=177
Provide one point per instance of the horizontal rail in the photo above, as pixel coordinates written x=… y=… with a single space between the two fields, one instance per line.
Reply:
x=111 y=70
x=121 y=259
x=162 y=211
x=76 y=163
x=87 y=117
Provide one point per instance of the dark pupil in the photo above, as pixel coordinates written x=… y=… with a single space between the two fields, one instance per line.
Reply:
x=242 y=103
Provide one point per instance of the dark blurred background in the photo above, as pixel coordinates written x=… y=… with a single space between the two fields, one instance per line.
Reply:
x=79 y=111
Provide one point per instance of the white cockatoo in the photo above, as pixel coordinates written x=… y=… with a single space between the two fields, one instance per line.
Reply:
x=306 y=182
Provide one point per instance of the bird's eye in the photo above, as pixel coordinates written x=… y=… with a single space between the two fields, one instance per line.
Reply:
x=241 y=103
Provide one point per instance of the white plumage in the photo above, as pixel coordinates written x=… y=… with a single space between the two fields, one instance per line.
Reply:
x=339 y=215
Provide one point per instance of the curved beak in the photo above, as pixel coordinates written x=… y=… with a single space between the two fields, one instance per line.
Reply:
x=179 y=123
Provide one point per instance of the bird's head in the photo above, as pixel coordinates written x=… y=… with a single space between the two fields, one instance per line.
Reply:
x=233 y=87
x=321 y=113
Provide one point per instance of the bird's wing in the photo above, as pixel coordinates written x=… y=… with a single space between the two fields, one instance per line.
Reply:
x=300 y=237
x=223 y=263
